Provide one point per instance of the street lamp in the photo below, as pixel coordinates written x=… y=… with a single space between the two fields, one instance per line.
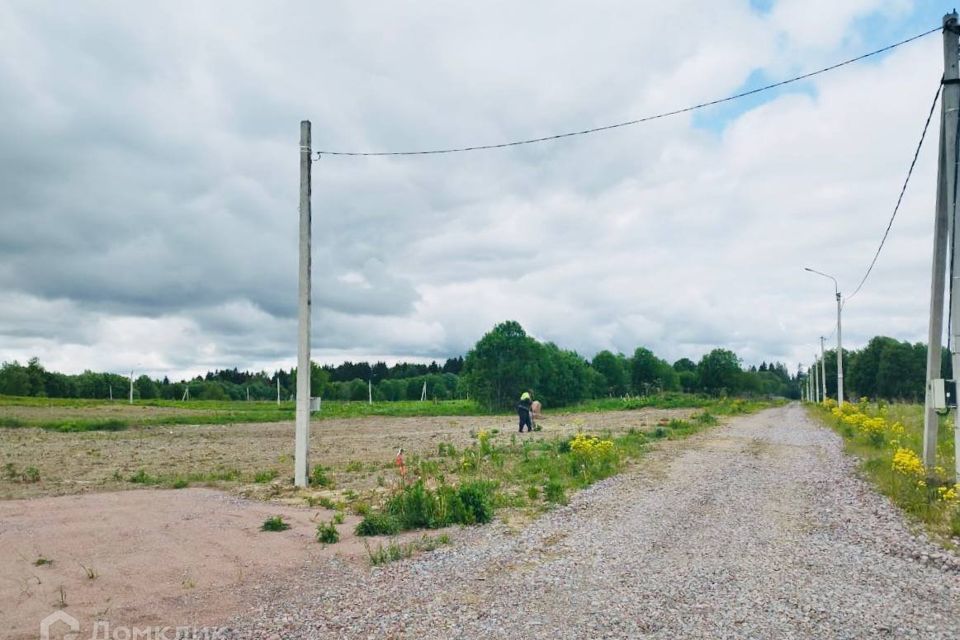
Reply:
x=836 y=290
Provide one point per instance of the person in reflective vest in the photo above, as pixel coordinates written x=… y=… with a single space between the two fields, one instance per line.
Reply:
x=523 y=411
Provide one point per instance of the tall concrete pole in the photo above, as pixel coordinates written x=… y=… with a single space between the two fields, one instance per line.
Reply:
x=823 y=371
x=302 y=438
x=941 y=231
x=131 y=387
x=839 y=355
x=816 y=381
x=951 y=102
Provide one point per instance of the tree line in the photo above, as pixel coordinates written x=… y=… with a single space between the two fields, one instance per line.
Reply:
x=504 y=362
x=507 y=361
x=885 y=368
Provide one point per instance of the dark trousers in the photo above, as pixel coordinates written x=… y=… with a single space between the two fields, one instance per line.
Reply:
x=525 y=420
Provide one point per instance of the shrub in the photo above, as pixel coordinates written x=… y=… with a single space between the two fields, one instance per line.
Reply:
x=378 y=524
x=274 y=523
x=415 y=507
x=338 y=517
x=477 y=506
x=327 y=533
x=180 y=483
x=555 y=492
x=320 y=478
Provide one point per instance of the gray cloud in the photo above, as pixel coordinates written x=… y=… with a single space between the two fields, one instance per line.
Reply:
x=148 y=166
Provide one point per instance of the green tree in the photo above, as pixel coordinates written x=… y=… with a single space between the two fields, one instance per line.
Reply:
x=651 y=373
x=146 y=387
x=319 y=377
x=564 y=377
x=719 y=372
x=501 y=365
x=14 y=380
x=613 y=369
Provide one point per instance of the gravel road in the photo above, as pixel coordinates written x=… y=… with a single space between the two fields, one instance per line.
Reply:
x=755 y=529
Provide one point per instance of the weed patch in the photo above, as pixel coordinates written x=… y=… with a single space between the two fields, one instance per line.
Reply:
x=327 y=533
x=396 y=551
x=274 y=523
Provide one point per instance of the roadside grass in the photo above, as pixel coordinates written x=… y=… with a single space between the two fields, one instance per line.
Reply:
x=888 y=441
x=399 y=550
x=531 y=474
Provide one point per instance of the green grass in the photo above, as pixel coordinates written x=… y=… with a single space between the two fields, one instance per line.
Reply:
x=263 y=477
x=398 y=551
x=327 y=533
x=274 y=523
x=181 y=481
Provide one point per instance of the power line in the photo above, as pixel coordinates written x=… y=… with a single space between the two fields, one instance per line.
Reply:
x=695 y=107
x=903 y=190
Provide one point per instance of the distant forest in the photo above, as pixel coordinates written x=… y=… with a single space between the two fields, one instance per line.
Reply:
x=504 y=362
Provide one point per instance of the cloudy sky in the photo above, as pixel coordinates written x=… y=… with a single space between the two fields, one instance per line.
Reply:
x=149 y=178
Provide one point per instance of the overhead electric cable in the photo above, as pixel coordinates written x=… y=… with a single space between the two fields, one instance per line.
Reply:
x=903 y=190
x=628 y=123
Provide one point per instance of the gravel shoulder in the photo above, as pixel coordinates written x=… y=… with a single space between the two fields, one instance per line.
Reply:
x=759 y=528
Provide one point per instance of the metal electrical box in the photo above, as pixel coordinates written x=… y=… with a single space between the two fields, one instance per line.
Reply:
x=943 y=394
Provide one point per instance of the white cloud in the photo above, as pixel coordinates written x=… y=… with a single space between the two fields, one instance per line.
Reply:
x=150 y=180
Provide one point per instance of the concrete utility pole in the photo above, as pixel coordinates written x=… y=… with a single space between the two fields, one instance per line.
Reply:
x=951 y=102
x=836 y=291
x=839 y=354
x=945 y=211
x=370 y=391
x=278 y=389
x=823 y=372
x=816 y=383
x=131 y=387
x=302 y=438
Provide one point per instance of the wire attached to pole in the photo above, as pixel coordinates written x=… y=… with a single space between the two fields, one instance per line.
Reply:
x=903 y=190
x=695 y=107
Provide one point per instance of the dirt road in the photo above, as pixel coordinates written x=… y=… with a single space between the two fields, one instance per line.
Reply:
x=756 y=529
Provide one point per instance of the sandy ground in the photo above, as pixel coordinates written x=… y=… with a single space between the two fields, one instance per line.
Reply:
x=195 y=556
x=118 y=410
x=357 y=449
x=160 y=558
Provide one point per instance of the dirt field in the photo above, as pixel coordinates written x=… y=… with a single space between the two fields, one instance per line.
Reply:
x=149 y=558
x=70 y=463
x=193 y=556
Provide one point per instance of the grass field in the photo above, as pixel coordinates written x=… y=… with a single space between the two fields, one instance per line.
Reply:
x=75 y=415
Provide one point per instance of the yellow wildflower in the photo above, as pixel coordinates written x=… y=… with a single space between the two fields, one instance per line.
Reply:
x=907 y=462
